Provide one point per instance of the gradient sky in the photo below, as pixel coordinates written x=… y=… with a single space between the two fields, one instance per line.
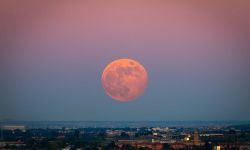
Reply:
x=197 y=55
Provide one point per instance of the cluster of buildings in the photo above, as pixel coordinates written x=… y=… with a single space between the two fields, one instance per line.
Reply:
x=161 y=137
x=154 y=138
x=184 y=139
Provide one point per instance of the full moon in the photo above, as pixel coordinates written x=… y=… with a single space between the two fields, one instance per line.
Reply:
x=124 y=79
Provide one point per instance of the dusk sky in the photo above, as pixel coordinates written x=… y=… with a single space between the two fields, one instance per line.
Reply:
x=196 y=53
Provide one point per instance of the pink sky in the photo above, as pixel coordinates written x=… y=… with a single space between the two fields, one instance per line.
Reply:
x=205 y=42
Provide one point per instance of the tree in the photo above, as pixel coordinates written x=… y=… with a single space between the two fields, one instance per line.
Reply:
x=166 y=146
x=123 y=134
x=127 y=147
x=111 y=146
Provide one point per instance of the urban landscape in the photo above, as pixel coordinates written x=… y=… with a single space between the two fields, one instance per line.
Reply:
x=124 y=75
x=71 y=136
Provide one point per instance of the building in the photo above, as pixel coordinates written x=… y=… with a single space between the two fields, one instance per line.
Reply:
x=196 y=138
x=140 y=144
x=217 y=148
x=113 y=133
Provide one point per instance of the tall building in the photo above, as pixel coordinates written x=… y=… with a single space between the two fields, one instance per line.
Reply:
x=196 y=138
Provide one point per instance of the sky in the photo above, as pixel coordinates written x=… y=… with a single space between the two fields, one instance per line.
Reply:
x=197 y=55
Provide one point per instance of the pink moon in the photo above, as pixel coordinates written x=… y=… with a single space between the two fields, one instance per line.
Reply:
x=124 y=79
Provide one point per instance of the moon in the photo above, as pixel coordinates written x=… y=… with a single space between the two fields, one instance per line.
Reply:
x=124 y=79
